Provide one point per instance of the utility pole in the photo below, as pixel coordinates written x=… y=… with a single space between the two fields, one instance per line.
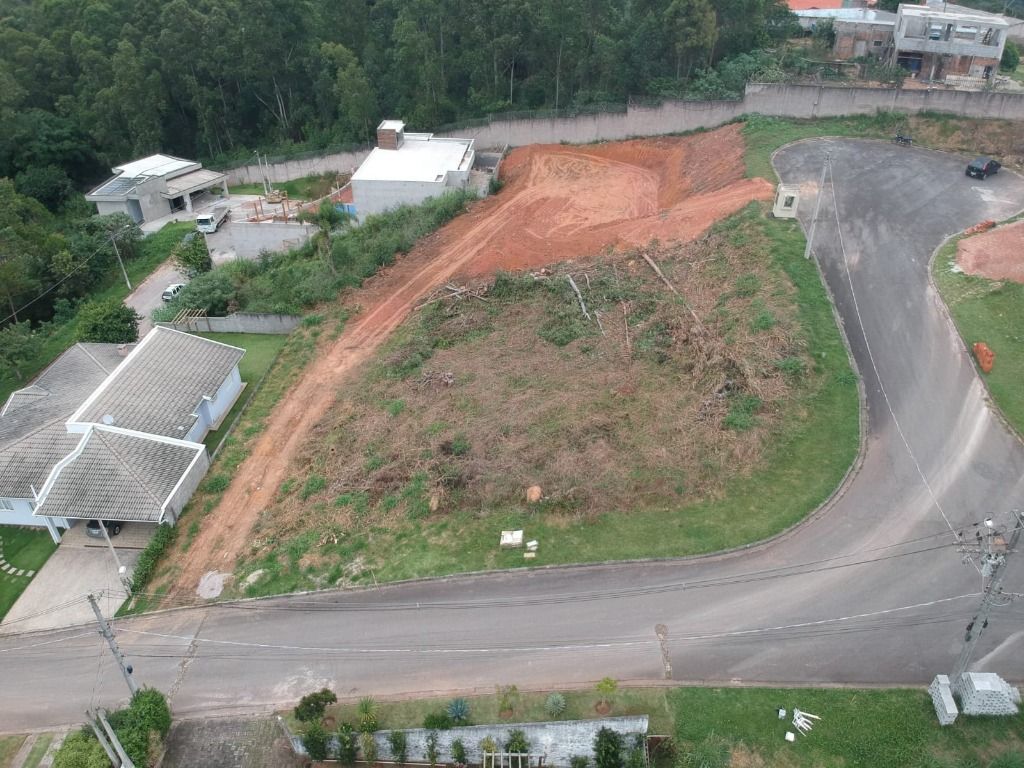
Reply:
x=113 y=242
x=101 y=737
x=126 y=762
x=817 y=205
x=126 y=670
x=993 y=564
x=122 y=571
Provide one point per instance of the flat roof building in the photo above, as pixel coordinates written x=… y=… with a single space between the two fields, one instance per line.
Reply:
x=154 y=187
x=408 y=168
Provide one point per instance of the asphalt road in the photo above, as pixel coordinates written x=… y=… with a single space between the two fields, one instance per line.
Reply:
x=872 y=590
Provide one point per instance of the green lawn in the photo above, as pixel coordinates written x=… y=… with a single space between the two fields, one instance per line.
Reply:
x=9 y=746
x=38 y=751
x=25 y=548
x=261 y=350
x=724 y=727
x=991 y=311
x=307 y=188
x=155 y=250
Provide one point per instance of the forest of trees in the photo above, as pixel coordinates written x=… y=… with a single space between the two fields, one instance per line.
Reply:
x=85 y=84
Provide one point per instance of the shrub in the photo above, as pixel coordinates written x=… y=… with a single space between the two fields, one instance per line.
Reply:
x=150 y=556
x=191 y=255
x=459 y=751
x=508 y=698
x=81 y=750
x=439 y=721
x=460 y=445
x=315 y=741
x=367 y=711
x=347 y=744
x=143 y=725
x=579 y=761
x=488 y=744
x=109 y=321
x=608 y=749
x=606 y=689
x=311 y=706
x=517 y=744
x=217 y=483
x=368 y=746
x=458 y=711
x=554 y=705
x=399 y=746
x=432 y=753
x=1008 y=63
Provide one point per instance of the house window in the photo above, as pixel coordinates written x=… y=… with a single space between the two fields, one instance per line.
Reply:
x=877 y=43
x=6 y=506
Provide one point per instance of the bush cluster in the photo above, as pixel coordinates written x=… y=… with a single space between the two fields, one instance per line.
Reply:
x=150 y=556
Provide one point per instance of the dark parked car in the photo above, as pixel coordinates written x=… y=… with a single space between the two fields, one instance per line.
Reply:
x=92 y=528
x=982 y=167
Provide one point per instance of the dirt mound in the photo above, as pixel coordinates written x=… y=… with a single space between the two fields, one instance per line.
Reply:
x=997 y=254
x=564 y=202
x=560 y=203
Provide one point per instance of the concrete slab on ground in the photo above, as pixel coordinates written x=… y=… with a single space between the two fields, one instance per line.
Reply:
x=229 y=743
x=55 y=598
x=132 y=536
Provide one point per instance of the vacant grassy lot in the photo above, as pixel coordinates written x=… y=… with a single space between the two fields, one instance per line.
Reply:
x=24 y=548
x=307 y=188
x=261 y=349
x=734 y=727
x=688 y=436
x=991 y=311
x=56 y=338
x=972 y=136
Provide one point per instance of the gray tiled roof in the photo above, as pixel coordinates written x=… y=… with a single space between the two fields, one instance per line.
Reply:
x=32 y=433
x=163 y=383
x=118 y=477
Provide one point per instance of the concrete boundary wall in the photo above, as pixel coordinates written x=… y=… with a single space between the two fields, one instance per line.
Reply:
x=241 y=322
x=776 y=99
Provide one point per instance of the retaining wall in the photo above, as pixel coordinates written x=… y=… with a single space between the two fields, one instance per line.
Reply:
x=245 y=239
x=777 y=99
x=242 y=322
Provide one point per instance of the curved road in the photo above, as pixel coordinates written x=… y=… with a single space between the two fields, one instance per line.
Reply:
x=842 y=599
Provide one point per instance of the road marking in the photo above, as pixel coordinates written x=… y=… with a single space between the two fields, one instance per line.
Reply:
x=988 y=196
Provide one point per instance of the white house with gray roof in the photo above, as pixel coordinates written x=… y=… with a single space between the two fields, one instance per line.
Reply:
x=115 y=432
x=155 y=186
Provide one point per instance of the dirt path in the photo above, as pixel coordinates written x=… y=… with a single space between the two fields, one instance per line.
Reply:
x=560 y=203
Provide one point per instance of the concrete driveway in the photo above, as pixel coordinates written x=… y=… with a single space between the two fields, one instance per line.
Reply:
x=870 y=590
x=56 y=596
x=146 y=296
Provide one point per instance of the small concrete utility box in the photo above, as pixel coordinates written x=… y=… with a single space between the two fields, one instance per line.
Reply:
x=787 y=198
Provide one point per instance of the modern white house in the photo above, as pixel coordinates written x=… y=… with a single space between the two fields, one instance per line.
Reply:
x=154 y=187
x=114 y=432
x=408 y=168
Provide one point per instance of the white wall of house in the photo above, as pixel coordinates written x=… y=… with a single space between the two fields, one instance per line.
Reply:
x=371 y=196
x=183 y=492
x=19 y=512
x=212 y=412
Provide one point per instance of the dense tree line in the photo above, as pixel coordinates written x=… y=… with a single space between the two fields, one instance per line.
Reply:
x=89 y=83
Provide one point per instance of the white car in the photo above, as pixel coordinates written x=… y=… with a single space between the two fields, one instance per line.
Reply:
x=171 y=291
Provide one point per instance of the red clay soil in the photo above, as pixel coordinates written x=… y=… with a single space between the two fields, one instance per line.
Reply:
x=559 y=203
x=997 y=254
